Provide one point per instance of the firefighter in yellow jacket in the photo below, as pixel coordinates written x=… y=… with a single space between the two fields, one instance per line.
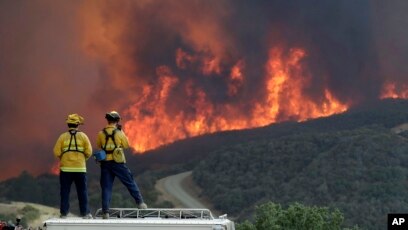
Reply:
x=73 y=148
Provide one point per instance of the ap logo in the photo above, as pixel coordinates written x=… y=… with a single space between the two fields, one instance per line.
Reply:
x=397 y=221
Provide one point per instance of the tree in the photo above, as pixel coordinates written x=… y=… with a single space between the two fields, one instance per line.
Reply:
x=271 y=216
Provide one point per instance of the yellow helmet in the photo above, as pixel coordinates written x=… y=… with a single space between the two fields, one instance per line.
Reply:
x=75 y=119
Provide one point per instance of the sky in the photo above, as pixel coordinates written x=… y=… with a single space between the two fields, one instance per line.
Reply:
x=176 y=69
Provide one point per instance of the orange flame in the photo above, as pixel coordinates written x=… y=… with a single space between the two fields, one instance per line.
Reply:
x=391 y=90
x=167 y=107
x=286 y=86
x=236 y=78
x=55 y=169
x=157 y=124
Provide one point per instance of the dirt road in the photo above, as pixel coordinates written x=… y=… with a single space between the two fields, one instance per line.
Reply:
x=175 y=189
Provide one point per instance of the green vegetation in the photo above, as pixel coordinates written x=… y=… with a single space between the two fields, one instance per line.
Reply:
x=362 y=172
x=351 y=162
x=271 y=216
x=27 y=188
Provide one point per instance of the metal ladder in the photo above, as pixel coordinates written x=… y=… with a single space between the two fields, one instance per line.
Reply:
x=158 y=213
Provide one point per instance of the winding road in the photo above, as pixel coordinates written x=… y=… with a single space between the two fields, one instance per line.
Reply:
x=173 y=189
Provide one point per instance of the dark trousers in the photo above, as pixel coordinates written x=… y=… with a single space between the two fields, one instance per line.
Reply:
x=66 y=179
x=110 y=170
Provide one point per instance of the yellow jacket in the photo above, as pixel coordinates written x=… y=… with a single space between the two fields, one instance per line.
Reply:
x=72 y=160
x=121 y=141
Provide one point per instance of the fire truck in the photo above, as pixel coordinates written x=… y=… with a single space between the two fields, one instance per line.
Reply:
x=154 y=219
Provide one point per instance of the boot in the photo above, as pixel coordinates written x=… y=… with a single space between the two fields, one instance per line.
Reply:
x=142 y=205
x=105 y=215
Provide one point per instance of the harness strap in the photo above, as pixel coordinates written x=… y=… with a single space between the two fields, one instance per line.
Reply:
x=73 y=136
x=112 y=137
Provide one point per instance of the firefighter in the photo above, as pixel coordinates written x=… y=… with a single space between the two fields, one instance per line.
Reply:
x=113 y=140
x=73 y=148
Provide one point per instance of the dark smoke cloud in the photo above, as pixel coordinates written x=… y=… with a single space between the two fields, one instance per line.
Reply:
x=352 y=46
x=391 y=39
x=340 y=38
x=337 y=35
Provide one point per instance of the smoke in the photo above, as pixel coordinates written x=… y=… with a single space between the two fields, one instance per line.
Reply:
x=177 y=69
x=179 y=59
x=337 y=36
x=390 y=40
x=44 y=77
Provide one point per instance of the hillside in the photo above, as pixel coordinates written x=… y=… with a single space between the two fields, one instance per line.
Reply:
x=360 y=168
x=32 y=214
x=354 y=161
x=389 y=113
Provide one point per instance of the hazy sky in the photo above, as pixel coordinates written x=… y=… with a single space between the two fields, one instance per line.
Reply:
x=90 y=57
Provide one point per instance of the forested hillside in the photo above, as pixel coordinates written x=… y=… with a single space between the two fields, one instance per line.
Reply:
x=360 y=168
x=387 y=113
x=350 y=161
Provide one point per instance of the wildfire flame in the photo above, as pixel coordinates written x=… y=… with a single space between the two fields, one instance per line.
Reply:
x=176 y=101
x=286 y=83
x=391 y=90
